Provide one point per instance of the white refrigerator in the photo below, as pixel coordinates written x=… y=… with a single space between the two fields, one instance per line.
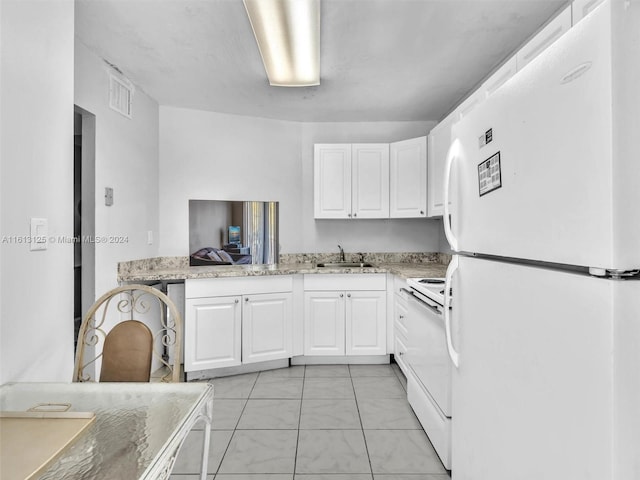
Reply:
x=544 y=326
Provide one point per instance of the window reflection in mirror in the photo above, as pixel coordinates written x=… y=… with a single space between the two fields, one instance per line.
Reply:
x=225 y=232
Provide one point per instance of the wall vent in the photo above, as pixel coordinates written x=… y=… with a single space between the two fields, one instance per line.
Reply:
x=120 y=96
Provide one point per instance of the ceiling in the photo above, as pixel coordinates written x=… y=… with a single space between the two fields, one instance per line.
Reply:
x=381 y=60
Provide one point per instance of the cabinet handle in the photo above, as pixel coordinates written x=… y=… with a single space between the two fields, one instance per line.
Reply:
x=355 y=214
x=421 y=212
x=401 y=317
x=349 y=215
x=237 y=300
x=341 y=295
x=401 y=353
x=349 y=295
x=246 y=299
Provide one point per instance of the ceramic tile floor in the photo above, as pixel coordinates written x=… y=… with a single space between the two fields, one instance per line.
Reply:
x=324 y=422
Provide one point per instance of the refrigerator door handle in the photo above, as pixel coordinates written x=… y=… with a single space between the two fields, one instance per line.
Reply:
x=453 y=152
x=453 y=266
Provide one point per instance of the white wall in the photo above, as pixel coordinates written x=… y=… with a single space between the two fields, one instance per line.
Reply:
x=214 y=156
x=127 y=161
x=205 y=155
x=36 y=158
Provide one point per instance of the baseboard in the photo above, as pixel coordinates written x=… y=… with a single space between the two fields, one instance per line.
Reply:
x=238 y=370
x=341 y=360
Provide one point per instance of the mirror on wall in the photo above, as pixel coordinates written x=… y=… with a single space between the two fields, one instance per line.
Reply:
x=227 y=232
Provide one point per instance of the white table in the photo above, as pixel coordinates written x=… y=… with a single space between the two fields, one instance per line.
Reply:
x=138 y=430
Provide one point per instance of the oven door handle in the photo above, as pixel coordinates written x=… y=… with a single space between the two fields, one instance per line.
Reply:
x=422 y=302
x=453 y=354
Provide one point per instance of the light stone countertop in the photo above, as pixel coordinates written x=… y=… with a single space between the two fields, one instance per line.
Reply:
x=175 y=269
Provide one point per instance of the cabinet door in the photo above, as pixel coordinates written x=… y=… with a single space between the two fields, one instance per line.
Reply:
x=332 y=180
x=408 y=178
x=370 y=180
x=366 y=323
x=545 y=37
x=212 y=333
x=439 y=143
x=324 y=323
x=267 y=327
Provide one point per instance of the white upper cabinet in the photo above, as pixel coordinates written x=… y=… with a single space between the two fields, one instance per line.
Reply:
x=439 y=143
x=351 y=181
x=581 y=8
x=332 y=180
x=499 y=77
x=408 y=178
x=370 y=180
x=545 y=37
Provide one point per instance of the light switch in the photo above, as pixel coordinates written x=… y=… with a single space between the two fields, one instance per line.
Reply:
x=108 y=196
x=39 y=234
x=149 y=237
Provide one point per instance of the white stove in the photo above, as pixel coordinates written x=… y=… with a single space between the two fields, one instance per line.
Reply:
x=432 y=288
x=426 y=357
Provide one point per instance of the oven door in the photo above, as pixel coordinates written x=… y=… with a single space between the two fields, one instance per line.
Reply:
x=427 y=355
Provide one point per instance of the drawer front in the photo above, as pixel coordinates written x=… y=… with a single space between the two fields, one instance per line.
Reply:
x=213 y=287
x=345 y=281
x=398 y=284
x=435 y=424
x=400 y=318
x=399 y=351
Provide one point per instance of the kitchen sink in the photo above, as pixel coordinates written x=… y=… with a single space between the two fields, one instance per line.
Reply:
x=345 y=265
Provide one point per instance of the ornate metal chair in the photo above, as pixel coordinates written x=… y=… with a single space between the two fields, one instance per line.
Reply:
x=115 y=337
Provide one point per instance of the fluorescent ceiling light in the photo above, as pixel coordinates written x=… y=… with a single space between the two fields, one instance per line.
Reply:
x=288 y=36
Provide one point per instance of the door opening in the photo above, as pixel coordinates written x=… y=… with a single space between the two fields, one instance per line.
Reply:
x=83 y=215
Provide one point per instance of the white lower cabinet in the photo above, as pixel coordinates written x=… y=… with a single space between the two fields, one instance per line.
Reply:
x=366 y=323
x=324 y=323
x=267 y=322
x=400 y=334
x=345 y=321
x=400 y=331
x=230 y=322
x=213 y=331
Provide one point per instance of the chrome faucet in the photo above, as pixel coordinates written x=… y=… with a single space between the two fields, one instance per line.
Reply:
x=341 y=254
